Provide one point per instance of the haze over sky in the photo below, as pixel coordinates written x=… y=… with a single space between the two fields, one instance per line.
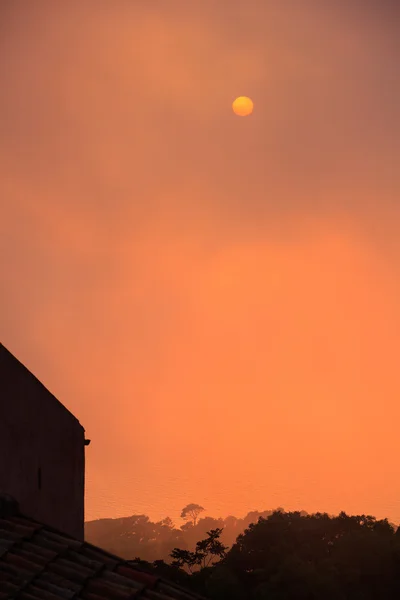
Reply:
x=215 y=298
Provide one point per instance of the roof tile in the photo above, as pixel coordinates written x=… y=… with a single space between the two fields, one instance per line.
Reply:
x=32 y=559
x=90 y=596
x=169 y=590
x=108 y=590
x=119 y=579
x=61 y=582
x=145 y=578
x=97 y=554
x=26 y=596
x=157 y=595
x=62 y=540
x=38 y=551
x=95 y=566
x=20 y=561
x=44 y=542
x=57 y=590
x=5 y=545
x=21 y=521
x=70 y=571
x=16 y=530
x=43 y=594
x=10 y=536
x=13 y=570
x=39 y=563
x=9 y=588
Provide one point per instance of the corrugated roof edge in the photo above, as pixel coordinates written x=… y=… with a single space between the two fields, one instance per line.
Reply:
x=11 y=356
x=9 y=508
x=171 y=584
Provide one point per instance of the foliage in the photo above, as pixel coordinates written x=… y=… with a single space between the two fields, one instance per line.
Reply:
x=191 y=512
x=137 y=535
x=273 y=555
x=205 y=551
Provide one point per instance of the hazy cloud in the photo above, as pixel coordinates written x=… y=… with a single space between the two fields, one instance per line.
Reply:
x=166 y=265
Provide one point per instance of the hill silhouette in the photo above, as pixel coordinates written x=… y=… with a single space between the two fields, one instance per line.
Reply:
x=137 y=535
x=268 y=555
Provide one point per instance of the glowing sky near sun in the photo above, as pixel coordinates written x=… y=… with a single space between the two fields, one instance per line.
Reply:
x=216 y=299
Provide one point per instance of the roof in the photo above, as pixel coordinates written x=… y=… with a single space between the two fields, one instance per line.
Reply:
x=10 y=366
x=38 y=562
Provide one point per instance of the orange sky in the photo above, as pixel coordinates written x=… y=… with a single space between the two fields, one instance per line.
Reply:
x=215 y=298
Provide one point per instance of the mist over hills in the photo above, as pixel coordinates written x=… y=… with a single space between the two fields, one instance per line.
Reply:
x=138 y=536
x=268 y=555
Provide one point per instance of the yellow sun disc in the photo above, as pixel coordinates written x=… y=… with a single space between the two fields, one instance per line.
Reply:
x=242 y=106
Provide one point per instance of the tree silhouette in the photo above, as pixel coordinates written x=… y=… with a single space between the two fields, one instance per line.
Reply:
x=207 y=549
x=191 y=512
x=277 y=555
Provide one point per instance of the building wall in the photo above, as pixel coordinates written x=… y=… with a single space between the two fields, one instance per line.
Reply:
x=42 y=451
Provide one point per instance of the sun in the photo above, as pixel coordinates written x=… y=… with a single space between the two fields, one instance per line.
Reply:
x=242 y=106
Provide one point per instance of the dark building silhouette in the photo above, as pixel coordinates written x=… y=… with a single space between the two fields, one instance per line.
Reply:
x=43 y=554
x=42 y=450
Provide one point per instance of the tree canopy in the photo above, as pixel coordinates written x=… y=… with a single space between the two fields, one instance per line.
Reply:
x=270 y=555
x=191 y=512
